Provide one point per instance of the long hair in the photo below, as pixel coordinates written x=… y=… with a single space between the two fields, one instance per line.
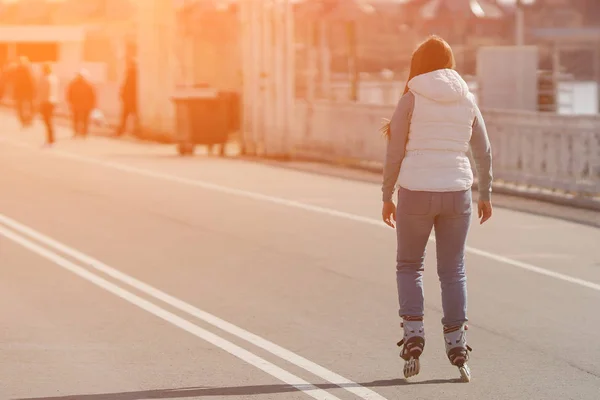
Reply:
x=431 y=55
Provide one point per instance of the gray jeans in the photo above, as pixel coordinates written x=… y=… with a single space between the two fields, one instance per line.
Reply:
x=449 y=213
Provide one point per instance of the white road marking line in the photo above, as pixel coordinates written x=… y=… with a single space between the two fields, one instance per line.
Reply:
x=537 y=270
x=174 y=302
x=175 y=320
x=552 y=256
x=298 y=205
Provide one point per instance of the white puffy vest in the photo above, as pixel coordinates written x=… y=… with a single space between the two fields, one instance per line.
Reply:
x=440 y=131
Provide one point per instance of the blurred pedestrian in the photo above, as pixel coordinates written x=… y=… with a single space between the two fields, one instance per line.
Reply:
x=435 y=123
x=3 y=82
x=23 y=89
x=47 y=100
x=81 y=97
x=129 y=106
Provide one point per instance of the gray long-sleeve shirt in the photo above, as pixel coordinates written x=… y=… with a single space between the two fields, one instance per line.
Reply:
x=396 y=149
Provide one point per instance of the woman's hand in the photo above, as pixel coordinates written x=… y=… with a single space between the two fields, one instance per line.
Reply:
x=484 y=210
x=388 y=213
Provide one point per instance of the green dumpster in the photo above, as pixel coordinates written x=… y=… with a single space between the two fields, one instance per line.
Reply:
x=202 y=118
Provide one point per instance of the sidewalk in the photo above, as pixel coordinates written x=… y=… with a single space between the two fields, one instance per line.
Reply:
x=62 y=117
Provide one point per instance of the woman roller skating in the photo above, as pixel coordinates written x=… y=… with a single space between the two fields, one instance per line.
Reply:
x=433 y=127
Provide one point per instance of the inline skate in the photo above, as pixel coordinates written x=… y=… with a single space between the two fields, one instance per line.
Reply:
x=412 y=345
x=457 y=350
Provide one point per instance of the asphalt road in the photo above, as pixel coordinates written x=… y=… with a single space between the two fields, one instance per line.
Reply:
x=129 y=273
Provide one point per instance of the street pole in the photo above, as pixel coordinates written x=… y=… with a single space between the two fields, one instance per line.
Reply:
x=290 y=74
x=245 y=70
x=256 y=73
x=278 y=43
x=520 y=42
x=268 y=109
x=520 y=24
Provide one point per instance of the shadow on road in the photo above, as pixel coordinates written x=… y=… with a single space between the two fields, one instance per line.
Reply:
x=231 y=391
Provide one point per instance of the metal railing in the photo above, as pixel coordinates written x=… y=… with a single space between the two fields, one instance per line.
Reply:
x=541 y=151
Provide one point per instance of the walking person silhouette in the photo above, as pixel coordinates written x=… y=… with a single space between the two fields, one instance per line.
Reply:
x=47 y=100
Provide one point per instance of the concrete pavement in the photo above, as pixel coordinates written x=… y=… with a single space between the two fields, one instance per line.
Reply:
x=288 y=275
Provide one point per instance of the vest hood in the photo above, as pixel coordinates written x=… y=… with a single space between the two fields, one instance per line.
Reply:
x=443 y=85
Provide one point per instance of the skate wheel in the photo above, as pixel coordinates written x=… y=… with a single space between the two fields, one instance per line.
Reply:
x=412 y=367
x=465 y=373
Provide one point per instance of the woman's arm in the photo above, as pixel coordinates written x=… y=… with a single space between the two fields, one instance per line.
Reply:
x=482 y=154
x=396 y=147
